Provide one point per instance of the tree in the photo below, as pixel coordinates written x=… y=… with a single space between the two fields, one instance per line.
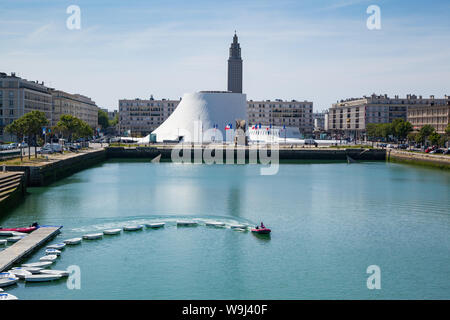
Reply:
x=435 y=139
x=103 y=120
x=29 y=125
x=17 y=128
x=424 y=133
x=401 y=128
x=73 y=128
x=371 y=130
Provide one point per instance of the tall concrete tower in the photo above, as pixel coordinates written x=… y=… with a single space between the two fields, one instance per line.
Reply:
x=235 y=67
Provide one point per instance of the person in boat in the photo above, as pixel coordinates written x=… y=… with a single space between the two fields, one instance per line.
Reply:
x=35 y=224
x=262 y=225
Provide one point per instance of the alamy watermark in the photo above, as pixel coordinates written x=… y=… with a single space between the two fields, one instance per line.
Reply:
x=74 y=279
x=73 y=22
x=374 y=20
x=374 y=280
x=209 y=147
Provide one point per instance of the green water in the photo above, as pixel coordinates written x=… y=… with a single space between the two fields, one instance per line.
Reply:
x=329 y=222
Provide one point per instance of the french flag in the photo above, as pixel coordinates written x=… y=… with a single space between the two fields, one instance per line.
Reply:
x=228 y=126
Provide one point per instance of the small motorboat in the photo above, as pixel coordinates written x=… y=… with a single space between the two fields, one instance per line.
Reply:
x=261 y=230
x=93 y=236
x=215 y=224
x=57 y=246
x=15 y=238
x=20 y=272
x=62 y=273
x=133 y=228
x=40 y=264
x=73 y=241
x=7 y=296
x=3 y=242
x=187 y=223
x=6 y=275
x=53 y=251
x=42 y=277
x=155 y=225
x=33 y=270
x=50 y=257
x=8 y=281
x=111 y=232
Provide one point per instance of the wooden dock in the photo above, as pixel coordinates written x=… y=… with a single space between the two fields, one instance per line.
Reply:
x=25 y=246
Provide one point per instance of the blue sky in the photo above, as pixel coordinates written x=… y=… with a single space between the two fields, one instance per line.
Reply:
x=319 y=50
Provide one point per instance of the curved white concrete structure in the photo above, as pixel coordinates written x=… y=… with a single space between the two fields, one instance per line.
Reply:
x=198 y=114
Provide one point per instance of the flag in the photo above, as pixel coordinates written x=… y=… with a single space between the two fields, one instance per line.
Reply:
x=227 y=127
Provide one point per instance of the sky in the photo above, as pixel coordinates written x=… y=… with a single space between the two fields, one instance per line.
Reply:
x=314 y=50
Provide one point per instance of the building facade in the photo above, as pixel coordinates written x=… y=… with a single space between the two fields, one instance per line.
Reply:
x=235 y=67
x=281 y=113
x=19 y=96
x=76 y=105
x=434 y=112
x=141 y=117
x=319 y=120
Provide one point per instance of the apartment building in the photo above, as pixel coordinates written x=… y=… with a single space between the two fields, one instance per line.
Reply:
x=76 y=105
x=281 y=113
x=434 y=112
x=140 y=117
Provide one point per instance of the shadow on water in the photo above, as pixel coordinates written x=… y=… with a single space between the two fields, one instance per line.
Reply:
x=262 y=237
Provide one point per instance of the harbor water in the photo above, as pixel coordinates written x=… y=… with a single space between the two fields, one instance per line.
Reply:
x=329 y=221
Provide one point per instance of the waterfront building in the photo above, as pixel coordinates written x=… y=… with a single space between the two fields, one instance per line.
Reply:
x=281 y=113
x=434 y=112
x=319 y=120
x=140 y=117
x=348 y=118
x=76 y=105
x=203 y=114
x=235 y=67
x=19 y=96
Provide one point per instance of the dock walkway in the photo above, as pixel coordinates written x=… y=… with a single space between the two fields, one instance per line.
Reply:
x=26 y=245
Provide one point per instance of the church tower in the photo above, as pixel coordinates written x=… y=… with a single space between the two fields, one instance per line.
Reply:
x=235 y=67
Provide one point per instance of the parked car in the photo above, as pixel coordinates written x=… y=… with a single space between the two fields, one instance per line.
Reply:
x=403 y=146
x=23 y=145
x=390 y=146
x=383 y=145
x=447 y=151
x=429 y=149
x=310 y=142
x=51 y=148
x=436 y=151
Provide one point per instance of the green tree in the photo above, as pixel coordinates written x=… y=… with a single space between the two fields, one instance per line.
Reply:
x=103 y=120
x=424 y=133
x=401 y=128
x=435 y=139
x=371 y=131
x=17 y=128
x=73 y=128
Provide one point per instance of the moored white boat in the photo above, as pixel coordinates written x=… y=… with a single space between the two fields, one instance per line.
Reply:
x=93 y=236
x=42 y=277
x=40 y=264
x=49 y=257
x=3 y=242
x=8 y=281
x=20 y=272
x=133 y=228
x=62 y=273
x=7 y=296
x=57 y=246
x=53 y=251
x=14 y=238
x=111 y=232
x=73 y=241
x=187 y=223
x=238 y=226
x=215 y=224
x=155 y=225
x=33 y=270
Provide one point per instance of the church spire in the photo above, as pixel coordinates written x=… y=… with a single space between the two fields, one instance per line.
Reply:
x=235 y=66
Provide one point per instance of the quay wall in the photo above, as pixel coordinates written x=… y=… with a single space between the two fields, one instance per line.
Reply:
x=423 y=159
x=284 y=154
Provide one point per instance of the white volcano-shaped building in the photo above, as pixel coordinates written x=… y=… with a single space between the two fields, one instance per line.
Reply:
x=203 y=116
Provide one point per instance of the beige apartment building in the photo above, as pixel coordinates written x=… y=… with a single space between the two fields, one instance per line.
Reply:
x=279 y=113
x=19 y=96
x=434 y=112
x=348 y=118
x=76 y=105
x=140 y=117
